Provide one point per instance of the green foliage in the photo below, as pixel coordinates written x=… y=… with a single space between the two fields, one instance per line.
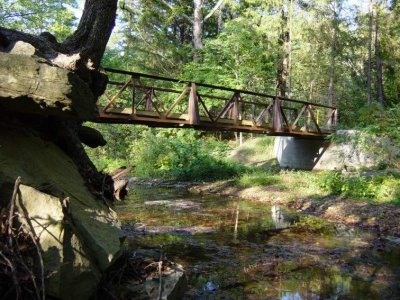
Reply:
x=237 y=58
x=117 y=151
x=377 y=188
x=332 y=182
x=352 y=186
x=258 y=178
x=382 y=125
x=54 y=16
x=182 y=155
x=387 y=188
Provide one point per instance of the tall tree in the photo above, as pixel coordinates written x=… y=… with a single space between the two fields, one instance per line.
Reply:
x=369 y=75
x=335 y=6
x=198 y=22
x=378 y=60
x=284 y=42
x=197 y=27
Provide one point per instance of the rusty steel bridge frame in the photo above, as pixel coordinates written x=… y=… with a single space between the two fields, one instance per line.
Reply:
x=138 y=102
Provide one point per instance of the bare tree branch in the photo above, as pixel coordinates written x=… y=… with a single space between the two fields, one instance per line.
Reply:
x=19 y=15
x=214 y=9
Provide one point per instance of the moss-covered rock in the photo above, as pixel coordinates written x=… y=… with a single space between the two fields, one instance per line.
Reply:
x=79 y=235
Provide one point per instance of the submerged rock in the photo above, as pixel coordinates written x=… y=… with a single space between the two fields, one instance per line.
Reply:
x=210 y=287
x=143 y=229
x=173 y=284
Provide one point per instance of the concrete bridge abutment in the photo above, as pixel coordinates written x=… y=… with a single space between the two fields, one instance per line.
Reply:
x=299 y=153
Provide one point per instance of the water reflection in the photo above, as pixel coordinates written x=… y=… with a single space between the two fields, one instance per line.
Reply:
x=278 y=217
x=235 y=230
x=263 y=261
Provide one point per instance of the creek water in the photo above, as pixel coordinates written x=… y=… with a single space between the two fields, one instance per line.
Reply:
x=239 y=249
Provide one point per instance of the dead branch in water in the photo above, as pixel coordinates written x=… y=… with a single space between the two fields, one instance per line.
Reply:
x=11 y=213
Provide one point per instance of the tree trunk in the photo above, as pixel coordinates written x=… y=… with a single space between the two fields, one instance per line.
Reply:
x=369 y=75
x=220 y=21
x=289 y=49
x=284 y=43
x=332 y=68
x=379 y=76
x=83 y=50
x=81 y=53
x=91 y=37
x=197 y=28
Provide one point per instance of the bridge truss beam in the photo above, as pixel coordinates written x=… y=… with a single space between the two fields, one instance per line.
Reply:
x=164 y=102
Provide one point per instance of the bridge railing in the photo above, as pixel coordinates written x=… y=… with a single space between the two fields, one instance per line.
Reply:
x=166 y=102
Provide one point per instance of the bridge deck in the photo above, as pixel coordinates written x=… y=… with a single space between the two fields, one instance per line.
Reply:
x=151 y=100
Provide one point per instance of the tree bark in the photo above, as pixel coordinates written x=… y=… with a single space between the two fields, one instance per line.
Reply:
x=379 y=75
x=220 y=22
x=81 y=53
x=289 y=50
x=332 y=68
x=369 y=75
x=198 y=22
x=84 y=49
x=197 y=28
x=91 y=37
x=284 y=65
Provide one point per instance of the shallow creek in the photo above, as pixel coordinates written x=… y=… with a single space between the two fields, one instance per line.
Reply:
x=239 y=249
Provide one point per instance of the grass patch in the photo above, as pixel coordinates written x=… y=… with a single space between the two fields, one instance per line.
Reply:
x=257 y=179
x=382 y=188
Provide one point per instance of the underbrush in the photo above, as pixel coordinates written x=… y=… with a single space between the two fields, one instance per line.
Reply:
x=258 y=179
x=380 y=188
x=183 y=156
x=188 y=155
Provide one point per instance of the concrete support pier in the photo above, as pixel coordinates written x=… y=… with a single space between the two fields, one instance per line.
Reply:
x=298 y=153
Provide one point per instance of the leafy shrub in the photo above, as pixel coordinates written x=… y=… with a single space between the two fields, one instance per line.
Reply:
x=378 y=187
x=386 y=188
x=332 y=182
x=183 y=156
x=383 y=123
x=352 y=186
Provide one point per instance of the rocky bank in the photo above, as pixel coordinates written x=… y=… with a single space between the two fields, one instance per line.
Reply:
x=78 y=233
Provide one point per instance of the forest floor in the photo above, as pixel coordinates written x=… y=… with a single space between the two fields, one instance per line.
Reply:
x=381 y=217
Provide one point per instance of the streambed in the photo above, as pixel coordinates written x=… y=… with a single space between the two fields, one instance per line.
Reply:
x=239 y=249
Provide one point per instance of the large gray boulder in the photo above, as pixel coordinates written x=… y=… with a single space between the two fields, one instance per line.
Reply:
x=353 y=149
x=29 y=84
x=349 y=150
x=79 y=236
